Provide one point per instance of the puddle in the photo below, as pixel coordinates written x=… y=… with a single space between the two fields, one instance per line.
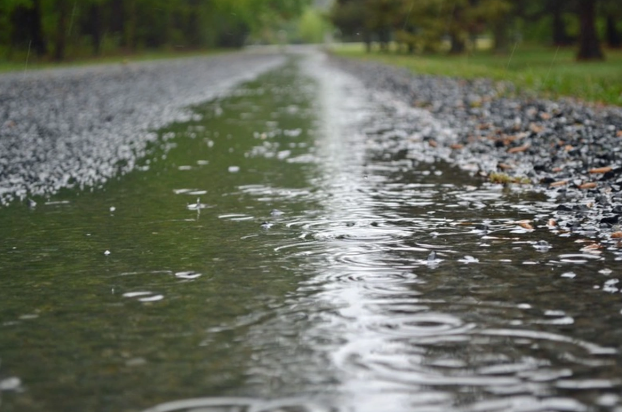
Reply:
x=300 y=247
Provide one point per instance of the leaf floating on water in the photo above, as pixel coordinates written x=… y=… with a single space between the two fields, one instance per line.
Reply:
x=525 y=224
x=616 y=235
x=551 y=223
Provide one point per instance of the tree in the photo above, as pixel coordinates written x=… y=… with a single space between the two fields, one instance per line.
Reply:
x=589 y=45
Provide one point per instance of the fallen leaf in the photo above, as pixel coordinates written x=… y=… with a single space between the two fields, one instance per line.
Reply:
x=457 y=146
x=552 y=222
x=545 y=116
x=535 y=128
x=568 y=148
x=619 y=134
x=525 y=225
x=504 y=166
x=616 y=235
x=519 y=148
x=432 y=143
x=588 y=185
x=558 y=183
x=601 y=169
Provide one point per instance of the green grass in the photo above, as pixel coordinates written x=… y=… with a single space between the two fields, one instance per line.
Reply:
x=547 y=72
x=22 y=63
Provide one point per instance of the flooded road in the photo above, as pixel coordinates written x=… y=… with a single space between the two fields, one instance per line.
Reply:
x=297 y=247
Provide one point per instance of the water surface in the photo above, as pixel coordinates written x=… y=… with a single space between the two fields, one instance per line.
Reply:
x=299 y=248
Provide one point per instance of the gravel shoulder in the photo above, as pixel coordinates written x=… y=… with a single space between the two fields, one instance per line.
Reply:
x=79 y=127
x=569 y=151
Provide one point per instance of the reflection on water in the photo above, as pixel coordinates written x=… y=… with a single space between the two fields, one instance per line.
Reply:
x=299 y=248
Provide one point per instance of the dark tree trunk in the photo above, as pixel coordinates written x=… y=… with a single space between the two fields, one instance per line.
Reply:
x=36 y=32
x=589 y=46
x=614 y=39
x=367 y=41
x=458 y=45
x=500 y=36
x=26 y=28
x=560 y=35
x=95 y=27
x=62 y=7
x=131 y=20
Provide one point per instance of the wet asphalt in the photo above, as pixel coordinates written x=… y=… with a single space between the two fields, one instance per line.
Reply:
x=80 y=127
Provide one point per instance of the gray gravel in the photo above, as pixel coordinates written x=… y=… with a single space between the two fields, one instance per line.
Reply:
x=567 y=150
x=79 y=127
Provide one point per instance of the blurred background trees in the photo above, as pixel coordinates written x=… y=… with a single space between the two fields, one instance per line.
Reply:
x=456 y=25
x=56 y=29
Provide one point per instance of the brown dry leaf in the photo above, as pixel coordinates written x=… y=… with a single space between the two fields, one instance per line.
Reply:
x=457 y=146
x=504 y=166
x=525 y=224
x=592 y=249
x=558 y=183
x=601 y=169
x=616 y=235
x=588 y=185
x=551 y=222
x=619 y=134
x=535 y=128
x=519 y=149
x=557 y=169
x=545 y=116
x=568 y=148
x=432 y=143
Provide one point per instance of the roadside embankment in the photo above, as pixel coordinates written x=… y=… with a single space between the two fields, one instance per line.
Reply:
x=78 y=127
x=569 y=151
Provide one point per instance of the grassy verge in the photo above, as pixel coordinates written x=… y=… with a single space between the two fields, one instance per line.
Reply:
x=33 y=64
x=548 y=72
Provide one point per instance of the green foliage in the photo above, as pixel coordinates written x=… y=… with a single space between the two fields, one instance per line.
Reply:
x=545 y=71
x=311 y=27
x=79 y=28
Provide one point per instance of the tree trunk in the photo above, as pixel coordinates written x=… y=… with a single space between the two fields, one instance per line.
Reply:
x=614 y=39
x=36 y=31
x=61 y=30
x=500 y=36
x=560 y=35
x=589 y=46
x=458 y=45
x=95 y=27
x=130 y=25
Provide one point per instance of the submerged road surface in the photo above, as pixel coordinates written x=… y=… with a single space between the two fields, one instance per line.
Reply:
x=297 y=244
